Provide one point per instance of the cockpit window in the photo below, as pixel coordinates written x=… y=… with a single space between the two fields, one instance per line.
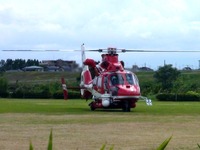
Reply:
x=116 y=79
x=129 y=78
x=121 y=78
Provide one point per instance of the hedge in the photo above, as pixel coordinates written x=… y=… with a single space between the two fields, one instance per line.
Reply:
x=4 y=94
x=71 y=95
x=28 y=94
x=44 y=94
x=178 y=97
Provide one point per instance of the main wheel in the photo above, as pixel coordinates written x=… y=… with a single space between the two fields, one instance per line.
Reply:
x=92 y=108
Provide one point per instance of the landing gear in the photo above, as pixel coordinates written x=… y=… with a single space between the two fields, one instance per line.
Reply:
x=92 y=108
x=126 y=106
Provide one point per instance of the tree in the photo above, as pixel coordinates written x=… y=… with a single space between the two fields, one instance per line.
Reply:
x=166 y=75
x=8 y=65
x=32 y=62
x=3 y=87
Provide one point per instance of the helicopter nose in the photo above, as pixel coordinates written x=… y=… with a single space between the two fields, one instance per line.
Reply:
x=128 y=90
x=131 y=88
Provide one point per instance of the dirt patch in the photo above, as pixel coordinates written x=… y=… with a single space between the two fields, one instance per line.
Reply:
x=72 y=132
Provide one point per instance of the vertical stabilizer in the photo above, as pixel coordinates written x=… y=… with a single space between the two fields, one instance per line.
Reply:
x=83 y=54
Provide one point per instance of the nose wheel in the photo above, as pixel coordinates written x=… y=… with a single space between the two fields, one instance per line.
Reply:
x=126 y=106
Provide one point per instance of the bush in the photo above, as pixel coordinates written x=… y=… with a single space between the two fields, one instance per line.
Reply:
x=4 y=94
x=189 y=96
x=17 y=94
x=29 y=94
x=31 y=91
x=73 y=94
x=58 y=95
x=149 y=87
x=3 y=87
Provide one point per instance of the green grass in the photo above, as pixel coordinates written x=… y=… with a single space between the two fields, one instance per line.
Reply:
x=160 y=111
x=42 y=106
x=81 y=107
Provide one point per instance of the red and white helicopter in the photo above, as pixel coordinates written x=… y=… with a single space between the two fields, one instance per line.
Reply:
x=112 y=86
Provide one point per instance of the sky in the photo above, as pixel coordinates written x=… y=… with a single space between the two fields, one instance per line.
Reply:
x=129 y=24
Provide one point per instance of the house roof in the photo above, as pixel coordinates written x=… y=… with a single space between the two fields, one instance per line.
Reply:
x=33 y=67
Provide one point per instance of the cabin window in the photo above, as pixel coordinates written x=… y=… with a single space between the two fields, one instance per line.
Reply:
x=105 y=83
x=99 y=82
x=95 y=81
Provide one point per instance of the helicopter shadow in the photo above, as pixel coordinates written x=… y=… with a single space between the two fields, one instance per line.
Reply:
x=110 y=110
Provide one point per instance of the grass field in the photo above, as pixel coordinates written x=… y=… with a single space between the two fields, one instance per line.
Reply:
x=76 y=127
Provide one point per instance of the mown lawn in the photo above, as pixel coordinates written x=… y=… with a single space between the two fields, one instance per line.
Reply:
x=76 y=127
x=81 y=107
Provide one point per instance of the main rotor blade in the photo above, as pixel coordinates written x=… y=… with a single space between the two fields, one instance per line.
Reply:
x=49 y=50
x=27 y=50
x=141 y=50
x=38 y=50
x=99 y=50
x=96 y=50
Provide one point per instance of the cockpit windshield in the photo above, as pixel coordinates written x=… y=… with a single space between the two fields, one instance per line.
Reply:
x=131 y=79
x=120 y=79
x=116 y=79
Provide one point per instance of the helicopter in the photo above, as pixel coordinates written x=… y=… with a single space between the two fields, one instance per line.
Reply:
x=111 y=86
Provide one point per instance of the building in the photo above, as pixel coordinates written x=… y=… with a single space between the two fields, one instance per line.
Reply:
x=59 y=65
x=135 y=68
x=33 y=68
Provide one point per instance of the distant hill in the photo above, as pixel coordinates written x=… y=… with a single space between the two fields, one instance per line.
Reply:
x=35 y=77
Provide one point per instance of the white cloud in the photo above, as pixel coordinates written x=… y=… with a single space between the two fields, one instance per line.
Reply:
x=65 y=24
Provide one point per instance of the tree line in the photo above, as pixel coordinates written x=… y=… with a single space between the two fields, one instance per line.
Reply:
x=16 y=64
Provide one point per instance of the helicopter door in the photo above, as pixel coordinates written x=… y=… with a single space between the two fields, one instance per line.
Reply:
x=105 y=83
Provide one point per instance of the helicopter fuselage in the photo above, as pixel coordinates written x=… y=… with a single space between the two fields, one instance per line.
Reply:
x=112 y=86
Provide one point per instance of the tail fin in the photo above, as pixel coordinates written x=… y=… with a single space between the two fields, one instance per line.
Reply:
x=64 y=87
x=84 y=67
